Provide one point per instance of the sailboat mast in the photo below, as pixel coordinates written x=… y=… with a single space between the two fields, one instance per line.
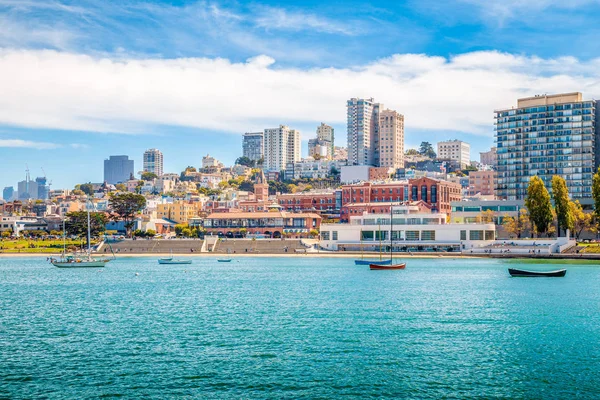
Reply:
x=64 y=238
x=88 y=232
x=391 y=230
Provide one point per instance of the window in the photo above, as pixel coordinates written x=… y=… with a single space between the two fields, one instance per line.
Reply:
x=489 y=235
x=427 y=235
x=434 y=193
x=325 y=235
x=463 y=235
x=381 y=235
x=335 y=235
x=424 y=193
x=475 y=235
x=412 y=235
x=367 y=235
x=415 y=191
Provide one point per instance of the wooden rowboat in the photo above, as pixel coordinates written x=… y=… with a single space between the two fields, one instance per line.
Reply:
x=523 y=273
x=384 y=267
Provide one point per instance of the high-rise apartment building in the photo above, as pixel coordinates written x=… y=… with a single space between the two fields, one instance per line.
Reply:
x=281 y=145
x=253 y=146
x=375 y=135
x=153 y=161
x=363 y=124
x=326 y=134
x=43 y=188
x=28 y=189
x=547 y=135
x=117 y=169
x=456 y=151
x=391 y=139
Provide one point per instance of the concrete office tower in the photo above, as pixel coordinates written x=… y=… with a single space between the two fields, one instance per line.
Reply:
x=28 y=189
x=252 y=145
x=153 y=161
x=117 y=169
x=391 y=139
x=326 y=135
x=363 y=124
x=43 y=188
x=8 y=193
x=488 y=157
x=547 y=135
x=281 y=145
x=455 y=150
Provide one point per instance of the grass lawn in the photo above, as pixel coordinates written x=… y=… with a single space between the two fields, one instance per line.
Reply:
x=37 y=246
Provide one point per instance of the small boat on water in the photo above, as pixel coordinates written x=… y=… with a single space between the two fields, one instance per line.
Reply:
x=224 y=259
x=530 y=274
x=74 y=261
x=369 y=262
x=384 y=267
x=173 y=261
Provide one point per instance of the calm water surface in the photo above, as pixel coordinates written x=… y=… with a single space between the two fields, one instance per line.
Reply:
x=297 y=327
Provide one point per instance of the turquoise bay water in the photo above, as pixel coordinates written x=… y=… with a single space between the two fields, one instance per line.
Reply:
x=297 y=327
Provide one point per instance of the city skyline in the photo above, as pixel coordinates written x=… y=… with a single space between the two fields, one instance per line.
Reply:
x=460 y=63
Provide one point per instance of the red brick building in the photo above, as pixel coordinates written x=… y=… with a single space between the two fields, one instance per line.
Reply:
x=437 y=194
x=308 y=201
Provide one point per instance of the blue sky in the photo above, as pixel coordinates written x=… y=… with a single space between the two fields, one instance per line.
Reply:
x=82 y=80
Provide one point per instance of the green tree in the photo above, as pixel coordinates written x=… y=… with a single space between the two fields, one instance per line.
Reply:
x=150 y=233
x=5 y=234
x=179 y=228
x=412 y=152
x=148 y=176
x=560 y=195
x=426 y=149
x=125 y=206
x=121 y=187
x=87 y=188
x=245 y=161
x=596 y=195
x=538 y=205
x=76 y=223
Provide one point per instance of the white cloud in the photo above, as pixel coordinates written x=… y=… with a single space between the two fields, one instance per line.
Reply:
x=18 y=143
x=281 y=19
x=50 y=89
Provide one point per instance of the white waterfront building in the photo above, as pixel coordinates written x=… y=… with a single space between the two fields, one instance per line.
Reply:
x=413 y=230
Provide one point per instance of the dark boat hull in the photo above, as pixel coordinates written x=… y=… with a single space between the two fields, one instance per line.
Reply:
x=532 y=274
x=369 y=262
x=384 y=267
x=224 y=260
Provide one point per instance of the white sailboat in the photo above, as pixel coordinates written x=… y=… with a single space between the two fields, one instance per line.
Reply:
x=73 y=261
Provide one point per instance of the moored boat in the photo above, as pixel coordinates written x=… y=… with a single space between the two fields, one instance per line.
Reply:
x=369 y=262
x=384 y=267
x=224 y=259
x=524 y=273
x=173 y=261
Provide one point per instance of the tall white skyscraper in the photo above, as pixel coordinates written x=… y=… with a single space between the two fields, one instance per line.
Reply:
x=363 y=123
x=153 y=161
x=281 y=145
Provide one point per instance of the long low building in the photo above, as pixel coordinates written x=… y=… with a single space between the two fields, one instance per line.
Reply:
x=413 y=230
x=272 y=223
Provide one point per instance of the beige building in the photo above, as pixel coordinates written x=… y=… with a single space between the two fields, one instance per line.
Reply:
x=322 y=147
x=281 y=146
x=178 y=211
x=391 y=139
x=488 y=157
x=482 y=183
x=455 y=150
